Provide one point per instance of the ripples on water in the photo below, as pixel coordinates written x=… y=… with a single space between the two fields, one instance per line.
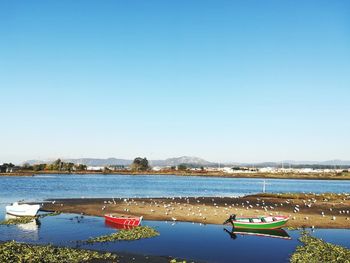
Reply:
x=65 y=186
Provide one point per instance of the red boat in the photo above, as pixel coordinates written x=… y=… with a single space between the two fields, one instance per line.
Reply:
x=117 y=226
x=124 y=220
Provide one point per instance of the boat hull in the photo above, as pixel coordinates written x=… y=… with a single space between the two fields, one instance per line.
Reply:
x=270 y=222
x=128 y=221
x=22 y=209
x=269 y=225
x=118 y=226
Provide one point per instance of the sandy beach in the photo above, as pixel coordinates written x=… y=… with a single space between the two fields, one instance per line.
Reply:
x=304 y=210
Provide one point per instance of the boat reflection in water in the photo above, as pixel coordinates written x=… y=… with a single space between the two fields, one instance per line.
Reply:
x=30 y=230
x=272 y=233
x=117 y=226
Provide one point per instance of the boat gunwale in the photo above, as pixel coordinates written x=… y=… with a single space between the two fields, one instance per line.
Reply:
x=284 y=219
x=123 y=217
x=127 y=221
x=22 y=209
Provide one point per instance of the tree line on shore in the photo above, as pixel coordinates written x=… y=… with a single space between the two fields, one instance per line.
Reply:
x=57 y=165
x=139 y=164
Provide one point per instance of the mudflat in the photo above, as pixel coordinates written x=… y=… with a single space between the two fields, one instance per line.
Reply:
x=305 y=210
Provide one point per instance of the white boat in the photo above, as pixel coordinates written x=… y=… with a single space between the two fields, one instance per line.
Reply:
x=17 y=209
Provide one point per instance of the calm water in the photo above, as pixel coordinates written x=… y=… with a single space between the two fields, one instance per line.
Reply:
x=207 y=243
x=185 y=240
x=64 y=186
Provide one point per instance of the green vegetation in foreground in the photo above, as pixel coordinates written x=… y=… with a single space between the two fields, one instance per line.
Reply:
x=316 y=250
x=136 y=233
x=18 y=220
x=13 y=252
x=26 y=219
x=49 y=214
x=291 y=228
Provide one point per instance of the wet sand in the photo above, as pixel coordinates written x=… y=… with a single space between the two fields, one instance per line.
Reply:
x=304 y=210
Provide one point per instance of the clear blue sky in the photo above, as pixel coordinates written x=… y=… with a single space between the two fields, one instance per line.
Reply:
x=222 y=80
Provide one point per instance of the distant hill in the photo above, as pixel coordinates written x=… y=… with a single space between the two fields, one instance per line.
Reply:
x=197 y=162
x=335 y=162
x=194 y=161
x=99 y=162
x=87 y=161
x=35 y=161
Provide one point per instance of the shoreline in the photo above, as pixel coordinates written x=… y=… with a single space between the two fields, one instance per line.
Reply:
x=325 y=176
x=215 y=210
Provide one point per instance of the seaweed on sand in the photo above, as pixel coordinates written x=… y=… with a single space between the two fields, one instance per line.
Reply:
x=316 y=250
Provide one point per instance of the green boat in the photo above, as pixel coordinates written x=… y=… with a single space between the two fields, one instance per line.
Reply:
x=262 y=222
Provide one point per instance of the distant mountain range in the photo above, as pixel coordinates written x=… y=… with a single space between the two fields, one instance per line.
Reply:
x=194 y=161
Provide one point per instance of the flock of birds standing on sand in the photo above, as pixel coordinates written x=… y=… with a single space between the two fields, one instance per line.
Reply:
x=200 y=207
